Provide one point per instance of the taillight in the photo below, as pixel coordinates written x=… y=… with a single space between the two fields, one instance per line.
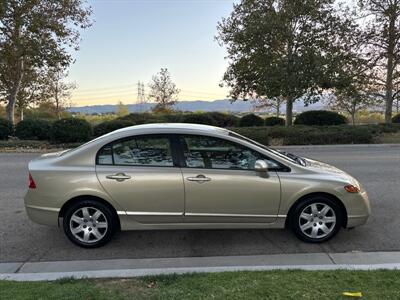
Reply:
x=32 y=184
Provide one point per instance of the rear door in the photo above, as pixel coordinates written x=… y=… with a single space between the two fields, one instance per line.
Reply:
x=141 y=174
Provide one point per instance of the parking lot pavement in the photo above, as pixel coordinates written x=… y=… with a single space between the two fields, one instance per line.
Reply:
x=376 y=166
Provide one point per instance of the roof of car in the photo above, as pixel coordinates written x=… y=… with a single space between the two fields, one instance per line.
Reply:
x=177 y=126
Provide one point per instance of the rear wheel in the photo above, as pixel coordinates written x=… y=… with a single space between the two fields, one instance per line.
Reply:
x=317 y=219
x=89 y=223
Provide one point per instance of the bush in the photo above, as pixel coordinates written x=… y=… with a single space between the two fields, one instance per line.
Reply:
x=70 y=130
x=110 y=126
x=251 y=120
x=223 y=120
x=6 y=129
x=274 y=121
x=168 y=118
x=396 y=119
x=320 y=118
x=198 y=118
x=33 y=129
x=309 y=135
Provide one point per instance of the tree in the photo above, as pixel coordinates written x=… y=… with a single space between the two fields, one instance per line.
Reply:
x=122 y=109
x=163 y=91
x=36 y=34
x=382 y=35
x=59 y=91
x=274 y=104
x=354 y=86
x=32 y=91
x=282 y=49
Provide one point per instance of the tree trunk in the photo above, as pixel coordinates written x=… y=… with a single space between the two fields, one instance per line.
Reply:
x=12 y=97
x=278 y=109
x=353 y=118
x=389 y=72
x=21 y=114
x=289 y=112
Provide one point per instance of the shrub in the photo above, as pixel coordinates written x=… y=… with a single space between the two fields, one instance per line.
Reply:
x=70 y=130
x=110 y=126
x=251 y=120
x=33 y=129
x=396 y=119
x=6 y=129
x=309 y=135
x=139 y=118
x=274 y=121
x=168 y=118
x=198 y=118
x=320 y=118
x=223 y=120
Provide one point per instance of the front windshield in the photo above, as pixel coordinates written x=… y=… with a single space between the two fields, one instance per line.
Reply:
x=285 y=155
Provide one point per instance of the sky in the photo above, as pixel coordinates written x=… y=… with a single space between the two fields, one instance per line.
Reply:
x=131 y=40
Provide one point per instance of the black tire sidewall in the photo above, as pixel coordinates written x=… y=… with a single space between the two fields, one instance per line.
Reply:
x=98 y=205
x=316 y=199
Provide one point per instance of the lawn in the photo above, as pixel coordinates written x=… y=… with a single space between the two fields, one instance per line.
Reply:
x=231 y=285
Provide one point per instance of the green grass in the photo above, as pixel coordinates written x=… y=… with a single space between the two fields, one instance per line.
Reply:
x=232 y=285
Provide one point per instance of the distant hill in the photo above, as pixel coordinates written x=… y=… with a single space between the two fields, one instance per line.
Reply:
x=199 y=105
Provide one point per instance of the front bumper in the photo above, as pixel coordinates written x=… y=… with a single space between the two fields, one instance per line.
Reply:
x=358 y=210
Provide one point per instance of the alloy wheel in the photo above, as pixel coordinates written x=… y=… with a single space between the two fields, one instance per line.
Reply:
x=317 y=220
x=88 y=224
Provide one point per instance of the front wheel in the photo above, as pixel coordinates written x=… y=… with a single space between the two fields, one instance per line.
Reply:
x=317 y=219
x=89 y=223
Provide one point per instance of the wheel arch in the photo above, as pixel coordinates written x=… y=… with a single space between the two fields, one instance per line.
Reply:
x=304 y=197
x=73 y=200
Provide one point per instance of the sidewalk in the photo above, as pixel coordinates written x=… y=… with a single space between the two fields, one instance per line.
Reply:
x=36 y=271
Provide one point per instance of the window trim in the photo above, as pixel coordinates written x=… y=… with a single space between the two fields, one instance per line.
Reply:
x=169 y=137
x=181 y=140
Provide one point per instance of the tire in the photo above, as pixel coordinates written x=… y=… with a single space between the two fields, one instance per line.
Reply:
x=89 y=223
x=317 y=219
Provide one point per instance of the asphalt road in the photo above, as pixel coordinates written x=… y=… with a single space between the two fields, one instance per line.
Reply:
x=376 y=166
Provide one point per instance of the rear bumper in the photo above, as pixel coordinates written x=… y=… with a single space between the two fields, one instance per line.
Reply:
x=38 y=213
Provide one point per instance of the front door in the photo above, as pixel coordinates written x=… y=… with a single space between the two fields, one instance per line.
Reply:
x=140 y=174
x=221 y=185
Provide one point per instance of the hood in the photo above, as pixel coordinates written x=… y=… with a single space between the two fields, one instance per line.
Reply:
x=329 y=170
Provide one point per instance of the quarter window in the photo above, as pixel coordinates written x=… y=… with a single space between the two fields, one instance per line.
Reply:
x=214 y=153
x=138 y=151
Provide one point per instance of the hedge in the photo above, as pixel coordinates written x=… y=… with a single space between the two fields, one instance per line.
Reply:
x=208 y=118
x=320 y=118
x=396 y=119
x=198 y=118
x=109 y=126
x=71 y=130
x=6 y=129
x=251 y=120
x=274 y=121
x=311 y=135
x=33 y=129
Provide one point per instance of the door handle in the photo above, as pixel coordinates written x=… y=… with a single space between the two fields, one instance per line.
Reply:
x=118 y=177
x=199 y=178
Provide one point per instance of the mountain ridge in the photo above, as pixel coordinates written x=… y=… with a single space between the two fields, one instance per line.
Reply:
x=223 y=105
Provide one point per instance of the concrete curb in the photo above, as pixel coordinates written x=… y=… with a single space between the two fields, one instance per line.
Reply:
x=120 y=268
x=125 y=273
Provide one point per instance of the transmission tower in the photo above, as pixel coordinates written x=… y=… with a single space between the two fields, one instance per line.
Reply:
x=141 y=99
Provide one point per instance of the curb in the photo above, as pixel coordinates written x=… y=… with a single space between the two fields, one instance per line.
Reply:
x=123 y=268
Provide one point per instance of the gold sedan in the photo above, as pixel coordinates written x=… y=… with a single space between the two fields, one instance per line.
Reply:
x=188 y=176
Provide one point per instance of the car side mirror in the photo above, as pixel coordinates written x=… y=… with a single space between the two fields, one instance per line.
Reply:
x=261 y=166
